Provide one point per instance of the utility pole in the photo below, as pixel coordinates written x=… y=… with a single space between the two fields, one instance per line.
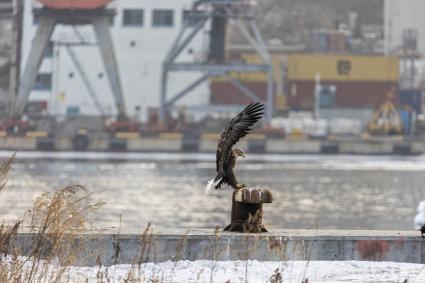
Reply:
x=15 y=53
x=317 y=88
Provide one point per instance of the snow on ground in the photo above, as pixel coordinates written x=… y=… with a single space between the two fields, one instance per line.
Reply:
x=250 y=271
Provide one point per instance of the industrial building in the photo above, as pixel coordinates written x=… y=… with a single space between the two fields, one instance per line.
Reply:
x=174 y=67
x=404 y=25
x=222 y=91
x=142 y=33
x=351 y=81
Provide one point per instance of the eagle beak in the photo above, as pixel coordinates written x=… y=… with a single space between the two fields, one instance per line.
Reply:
x=243 y=155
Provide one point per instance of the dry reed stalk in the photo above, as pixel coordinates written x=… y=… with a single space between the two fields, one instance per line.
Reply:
x=4 y=170
x=56 y=219
x=143 y=257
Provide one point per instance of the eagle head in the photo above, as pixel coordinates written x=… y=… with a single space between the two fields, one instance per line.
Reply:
x=239 y=152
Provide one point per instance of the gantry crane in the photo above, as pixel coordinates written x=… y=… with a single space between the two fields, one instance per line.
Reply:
x=217 y=13
x=74 y=13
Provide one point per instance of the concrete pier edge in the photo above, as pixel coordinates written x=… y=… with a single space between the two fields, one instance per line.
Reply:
x=373 y=146
x=131 y=246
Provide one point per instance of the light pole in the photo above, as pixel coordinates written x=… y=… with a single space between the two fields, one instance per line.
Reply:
x=317 y=88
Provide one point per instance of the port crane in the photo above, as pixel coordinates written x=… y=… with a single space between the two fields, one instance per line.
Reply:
x=72 y=13
x=215 y=15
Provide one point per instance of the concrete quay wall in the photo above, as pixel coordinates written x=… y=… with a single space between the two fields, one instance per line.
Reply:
x=174 y=142
x=132 y=247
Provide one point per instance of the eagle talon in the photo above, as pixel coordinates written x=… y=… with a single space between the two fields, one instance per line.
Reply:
x=241 y=186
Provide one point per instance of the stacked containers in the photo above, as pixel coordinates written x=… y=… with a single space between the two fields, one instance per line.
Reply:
x=413 y=98
x=406 y=117
x=328 y=40
x=411 y=102
x=337 y=41
x=223 y=92
x=360 y=81
x=319 y=41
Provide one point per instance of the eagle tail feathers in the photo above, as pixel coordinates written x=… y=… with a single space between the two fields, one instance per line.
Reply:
x=212 y=184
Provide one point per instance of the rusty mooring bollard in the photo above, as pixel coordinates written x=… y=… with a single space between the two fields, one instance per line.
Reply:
x=247 y=210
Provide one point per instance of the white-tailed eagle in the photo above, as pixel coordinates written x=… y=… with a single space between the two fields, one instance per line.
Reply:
x=226 y=156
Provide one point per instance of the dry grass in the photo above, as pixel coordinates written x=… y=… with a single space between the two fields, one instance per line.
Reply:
x=4 y=170
x=56 y=219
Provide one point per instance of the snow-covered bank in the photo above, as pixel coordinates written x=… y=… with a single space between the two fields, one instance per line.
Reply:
x=248 y=271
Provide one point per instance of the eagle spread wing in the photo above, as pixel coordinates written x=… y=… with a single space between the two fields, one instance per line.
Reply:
x=237 y=128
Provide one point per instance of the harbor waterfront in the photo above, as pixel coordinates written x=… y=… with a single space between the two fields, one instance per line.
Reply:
x=279 y=245
x=166 y=189
x=207 y=142
x=212 y=141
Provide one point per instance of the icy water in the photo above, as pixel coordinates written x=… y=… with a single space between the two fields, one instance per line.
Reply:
x=345 y=192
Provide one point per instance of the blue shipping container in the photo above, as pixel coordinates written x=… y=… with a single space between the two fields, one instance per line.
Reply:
x=406 y=120
x=327 y=96
x=412 y=98
x=73 y=110
x=319 y=41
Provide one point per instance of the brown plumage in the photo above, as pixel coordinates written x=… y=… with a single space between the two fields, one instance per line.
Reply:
x=226 y=156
